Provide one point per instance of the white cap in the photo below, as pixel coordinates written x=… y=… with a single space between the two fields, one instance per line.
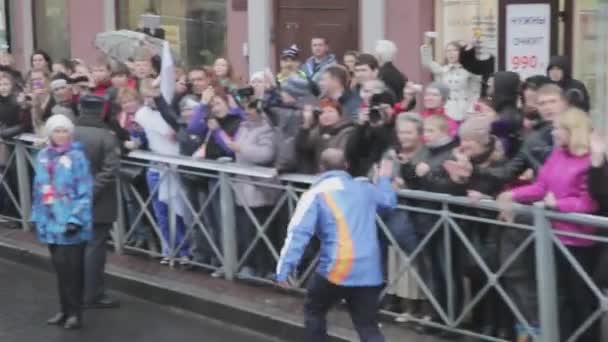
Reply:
x=58 y=121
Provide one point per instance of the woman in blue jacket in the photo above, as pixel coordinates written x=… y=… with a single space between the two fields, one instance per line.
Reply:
x=62 y=213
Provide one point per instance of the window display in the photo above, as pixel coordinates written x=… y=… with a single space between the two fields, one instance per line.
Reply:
x=196 y=29
x=467 y=20
x=51 y=31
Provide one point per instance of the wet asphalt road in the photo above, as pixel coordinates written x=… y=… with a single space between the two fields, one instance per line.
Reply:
x=28 y=297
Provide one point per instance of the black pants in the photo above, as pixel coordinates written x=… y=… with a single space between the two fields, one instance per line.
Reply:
x=68 y=261
x=260 y=258
x=434 y=267
x=362 y=304
x=520 y=276
x=95 y=263
x=577 y=302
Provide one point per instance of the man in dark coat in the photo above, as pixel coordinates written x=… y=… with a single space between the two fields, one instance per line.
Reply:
x=559 y=71
x=510 y=119
x=103 y=151
x=395 y=80
x=373 y=136
x=333 y=84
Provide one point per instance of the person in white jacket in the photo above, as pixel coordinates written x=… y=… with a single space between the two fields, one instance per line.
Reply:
x=465 y=87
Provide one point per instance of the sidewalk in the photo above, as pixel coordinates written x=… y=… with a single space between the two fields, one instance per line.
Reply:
x=263 y=309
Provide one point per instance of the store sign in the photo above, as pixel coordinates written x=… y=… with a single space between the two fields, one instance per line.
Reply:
x=528 y=45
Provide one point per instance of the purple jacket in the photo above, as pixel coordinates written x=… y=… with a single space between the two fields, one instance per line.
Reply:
x=198 y=126
x=565 y=175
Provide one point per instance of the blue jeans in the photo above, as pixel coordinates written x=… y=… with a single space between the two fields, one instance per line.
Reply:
x=133 y=208
x=401 y=228
x=161 y=211
x=362 y=304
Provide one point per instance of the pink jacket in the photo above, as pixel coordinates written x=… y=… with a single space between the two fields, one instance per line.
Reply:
x=566 y=176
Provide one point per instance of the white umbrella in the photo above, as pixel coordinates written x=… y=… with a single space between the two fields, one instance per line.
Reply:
x=124 y=44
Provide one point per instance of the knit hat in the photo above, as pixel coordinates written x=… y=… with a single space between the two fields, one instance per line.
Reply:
x=290 y=53
x=58 y=121
x=58 y=84
x=444 y=90
x=477 y=129
x=296 y=87
x=59 y=81
x=188 y=102
x=92 y=104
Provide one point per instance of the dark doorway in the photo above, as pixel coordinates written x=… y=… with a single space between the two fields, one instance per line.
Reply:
x=300 y=20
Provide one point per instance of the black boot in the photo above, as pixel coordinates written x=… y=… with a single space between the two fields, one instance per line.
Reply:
x=58 y=319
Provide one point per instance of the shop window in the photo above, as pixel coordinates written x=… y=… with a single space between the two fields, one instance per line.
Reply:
x=590 y=54
x=196 y=29
x=51 y=31
x=467 y=20
x=4 y=26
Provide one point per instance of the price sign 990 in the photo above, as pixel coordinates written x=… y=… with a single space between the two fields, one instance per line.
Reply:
x=524 y=62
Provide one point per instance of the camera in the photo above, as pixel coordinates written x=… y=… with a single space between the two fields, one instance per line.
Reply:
x=317 y=111
x=245 y=92
x=375 y=114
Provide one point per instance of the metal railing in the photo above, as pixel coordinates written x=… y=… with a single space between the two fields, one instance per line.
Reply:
x=211 y=197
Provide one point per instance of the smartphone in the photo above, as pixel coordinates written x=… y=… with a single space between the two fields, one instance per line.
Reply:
x=431 y=34
x=429 y=37
x=37 y=84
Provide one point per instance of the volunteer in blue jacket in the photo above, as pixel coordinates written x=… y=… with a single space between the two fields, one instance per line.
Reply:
x=341 y=212
x=62 y=213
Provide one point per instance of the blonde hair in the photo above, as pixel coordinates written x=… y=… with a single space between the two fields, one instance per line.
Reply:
x=128 y=94
x=550 y=90
x=578 y=125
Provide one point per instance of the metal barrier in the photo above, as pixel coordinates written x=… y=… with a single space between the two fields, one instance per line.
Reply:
x=211 y=198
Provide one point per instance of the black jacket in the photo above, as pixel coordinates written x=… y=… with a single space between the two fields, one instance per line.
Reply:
x=11 y=118
x=597 y=187
x=437 y=180
x=535 y=149
x=484 y=68
x=310 y=143
x=394 y=79
x=484 y=183
x=103 y=152
x=510 y=119
x=366 y=146
x=568 y=83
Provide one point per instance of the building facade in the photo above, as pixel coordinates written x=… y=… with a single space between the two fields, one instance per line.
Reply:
x=251 y=33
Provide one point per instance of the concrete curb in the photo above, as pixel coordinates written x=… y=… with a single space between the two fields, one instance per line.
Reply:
x=277 y=327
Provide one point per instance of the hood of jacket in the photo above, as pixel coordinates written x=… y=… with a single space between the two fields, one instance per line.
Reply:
x=562 y=62
x=91 y=120
x=506 y=89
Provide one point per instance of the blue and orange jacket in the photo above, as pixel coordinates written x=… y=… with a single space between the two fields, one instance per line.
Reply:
x=341 y=211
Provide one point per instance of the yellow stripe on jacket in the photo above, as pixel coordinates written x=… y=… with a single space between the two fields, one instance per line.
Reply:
x=344 y=253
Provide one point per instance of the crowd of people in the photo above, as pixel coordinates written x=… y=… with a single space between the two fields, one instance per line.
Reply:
x=471 y=132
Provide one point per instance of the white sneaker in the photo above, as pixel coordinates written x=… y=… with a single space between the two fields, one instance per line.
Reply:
x=403 y=318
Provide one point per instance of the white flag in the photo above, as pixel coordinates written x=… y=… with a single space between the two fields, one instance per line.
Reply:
x=167 y=74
